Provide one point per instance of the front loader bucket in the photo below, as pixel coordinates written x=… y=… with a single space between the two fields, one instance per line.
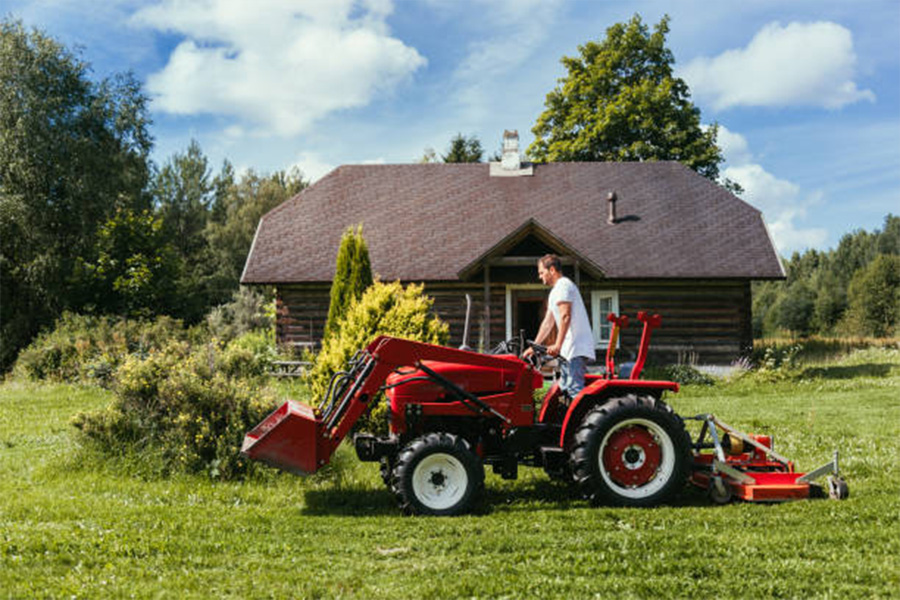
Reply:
x=286 y=439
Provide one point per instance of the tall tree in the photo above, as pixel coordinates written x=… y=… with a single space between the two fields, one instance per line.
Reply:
x=621 y=102
x=235 y=215
x=875 y=296
x=71 y=152
x=463 y=150
x=184 y=195
x=352 y=275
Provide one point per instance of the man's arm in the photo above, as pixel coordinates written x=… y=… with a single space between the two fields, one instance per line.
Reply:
x=565 y=319
x=546 y=329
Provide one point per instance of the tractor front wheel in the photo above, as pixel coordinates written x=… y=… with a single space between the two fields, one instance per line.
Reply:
x=438 y=474
x=631 y=451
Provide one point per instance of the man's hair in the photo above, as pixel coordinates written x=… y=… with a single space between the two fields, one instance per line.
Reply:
x=551 y=261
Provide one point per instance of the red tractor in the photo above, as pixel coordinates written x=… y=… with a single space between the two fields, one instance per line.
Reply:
x=453 y=411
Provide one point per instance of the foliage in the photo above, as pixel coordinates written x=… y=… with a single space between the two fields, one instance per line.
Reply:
x=249 y=310
x=236 y=211
x=384 y=309
x=464 y=150
x=874 y=297
x=621 y=102
x=72 y=151
x=686 y=374
x=190 y=404
x=89 y=349
x=816 y=296
x=352 y=275
x=61 y=508
x=135 y=267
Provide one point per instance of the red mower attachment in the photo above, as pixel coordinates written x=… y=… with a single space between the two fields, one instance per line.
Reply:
x=735 y=465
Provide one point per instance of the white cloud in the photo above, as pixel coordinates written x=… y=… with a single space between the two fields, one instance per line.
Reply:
x=278 y=65
x=782 y=203
x=801 y=64
x=312 y=166
x=520 y=26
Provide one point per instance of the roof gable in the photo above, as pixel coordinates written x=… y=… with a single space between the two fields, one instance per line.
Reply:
x=541 y=238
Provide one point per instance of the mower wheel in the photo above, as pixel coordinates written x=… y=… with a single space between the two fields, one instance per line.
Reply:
x=719 y=491
x=438 y=474
x=631 y=451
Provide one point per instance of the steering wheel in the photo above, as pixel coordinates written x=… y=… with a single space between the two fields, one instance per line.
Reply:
x=540 y=354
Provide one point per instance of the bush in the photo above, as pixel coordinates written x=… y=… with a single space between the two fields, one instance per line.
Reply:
x=191 y=404
x=686 y=374
x=384 y=309
x=82 y=348
x=249 y=310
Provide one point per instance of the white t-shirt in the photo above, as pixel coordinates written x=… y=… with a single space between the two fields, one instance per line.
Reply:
x=579 y=340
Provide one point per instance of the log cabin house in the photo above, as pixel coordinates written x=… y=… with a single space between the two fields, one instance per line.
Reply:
x=652 y=236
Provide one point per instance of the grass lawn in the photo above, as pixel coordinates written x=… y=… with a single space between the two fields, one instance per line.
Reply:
x=74 y=526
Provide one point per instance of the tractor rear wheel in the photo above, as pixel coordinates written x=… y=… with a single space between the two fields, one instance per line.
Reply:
x=438 y=474
x=631 y=451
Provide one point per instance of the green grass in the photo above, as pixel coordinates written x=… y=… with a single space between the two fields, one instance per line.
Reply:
x=73 y=525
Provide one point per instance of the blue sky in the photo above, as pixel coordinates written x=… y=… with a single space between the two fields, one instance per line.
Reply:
x=806 y=93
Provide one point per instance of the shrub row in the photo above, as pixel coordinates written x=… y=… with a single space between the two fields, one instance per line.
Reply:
x=89 y=349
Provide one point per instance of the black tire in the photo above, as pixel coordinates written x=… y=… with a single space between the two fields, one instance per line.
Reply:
x=438 y=474
x=631 y=451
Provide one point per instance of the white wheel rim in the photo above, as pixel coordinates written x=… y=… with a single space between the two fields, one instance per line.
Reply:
x=663 y=473
x=439 y=481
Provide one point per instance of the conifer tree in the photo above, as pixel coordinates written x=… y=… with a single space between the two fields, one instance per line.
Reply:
x=352 y=275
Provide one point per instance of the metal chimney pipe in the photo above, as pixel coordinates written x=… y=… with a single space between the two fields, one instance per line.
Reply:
x=611 y=201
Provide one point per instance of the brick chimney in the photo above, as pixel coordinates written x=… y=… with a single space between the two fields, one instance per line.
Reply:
x=511 y=164
x=511 y=160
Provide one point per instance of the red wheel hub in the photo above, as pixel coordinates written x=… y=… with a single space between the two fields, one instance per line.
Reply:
x=631 y=456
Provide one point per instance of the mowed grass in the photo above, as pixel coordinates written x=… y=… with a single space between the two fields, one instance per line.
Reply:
x=72 y=525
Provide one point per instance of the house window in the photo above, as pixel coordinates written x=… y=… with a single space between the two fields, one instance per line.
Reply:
x=603 y=302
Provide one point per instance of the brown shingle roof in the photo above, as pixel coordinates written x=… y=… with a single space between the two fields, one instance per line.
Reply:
x=430 y=221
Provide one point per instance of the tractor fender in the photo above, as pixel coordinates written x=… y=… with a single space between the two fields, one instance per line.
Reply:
x=601 y=391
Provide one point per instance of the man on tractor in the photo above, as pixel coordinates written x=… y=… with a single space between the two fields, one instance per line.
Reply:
x=574 y=339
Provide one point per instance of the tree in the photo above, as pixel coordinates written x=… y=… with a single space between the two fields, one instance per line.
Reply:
x=134 y=272
x=463 y=150
x=235 y=215
x=352 y=275
x=621 y=102
x=795 y=311
x=72 y=151
x=875 y=296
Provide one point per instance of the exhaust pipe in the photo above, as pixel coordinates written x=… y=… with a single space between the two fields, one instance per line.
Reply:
x=465 y=340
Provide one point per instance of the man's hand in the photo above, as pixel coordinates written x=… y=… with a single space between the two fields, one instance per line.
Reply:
x=529 y=351
x=554 y=349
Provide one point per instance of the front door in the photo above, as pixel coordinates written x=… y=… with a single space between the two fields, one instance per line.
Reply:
x=528 y=309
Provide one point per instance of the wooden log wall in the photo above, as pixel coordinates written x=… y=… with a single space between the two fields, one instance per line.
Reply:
x=704 y=322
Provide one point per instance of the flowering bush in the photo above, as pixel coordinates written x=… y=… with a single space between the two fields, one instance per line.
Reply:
x=83 y=348
x=192 y=404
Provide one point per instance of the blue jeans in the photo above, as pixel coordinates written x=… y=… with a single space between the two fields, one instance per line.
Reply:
x=571 y=380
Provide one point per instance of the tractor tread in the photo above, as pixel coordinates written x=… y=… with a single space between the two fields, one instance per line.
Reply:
x=583 y=455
